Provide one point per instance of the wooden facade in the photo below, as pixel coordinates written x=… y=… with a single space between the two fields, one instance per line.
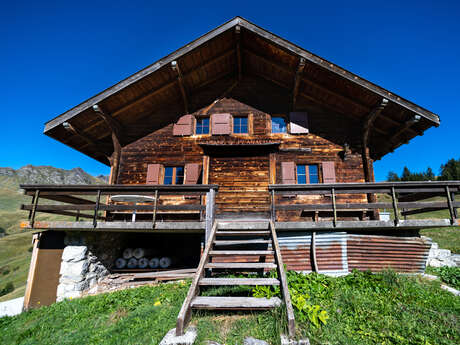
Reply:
x=243 y=165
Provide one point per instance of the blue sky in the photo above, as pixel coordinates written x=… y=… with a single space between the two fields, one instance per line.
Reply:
x=55 y=55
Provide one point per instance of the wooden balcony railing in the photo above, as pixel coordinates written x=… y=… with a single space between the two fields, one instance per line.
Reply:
x=94 y=201
x=406 y=198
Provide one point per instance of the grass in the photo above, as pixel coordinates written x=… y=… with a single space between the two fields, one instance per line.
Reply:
x=363 y=308
x=14 y=262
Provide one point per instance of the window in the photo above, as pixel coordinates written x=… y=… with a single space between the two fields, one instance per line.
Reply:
x=307 y=174
x=174 y=175
x=278 y=124
x=202 y=125
x=240 y=125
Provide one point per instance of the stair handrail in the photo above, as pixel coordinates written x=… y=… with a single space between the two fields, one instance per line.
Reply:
x=185 y=312
x=283 y=281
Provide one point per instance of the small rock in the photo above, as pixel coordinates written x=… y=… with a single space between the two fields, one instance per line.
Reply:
x=434 y=263
x=285 y=340
x=187 y=339
x=211 y=342
x=254 y=341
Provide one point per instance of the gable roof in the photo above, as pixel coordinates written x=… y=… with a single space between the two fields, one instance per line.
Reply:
x=144 y=101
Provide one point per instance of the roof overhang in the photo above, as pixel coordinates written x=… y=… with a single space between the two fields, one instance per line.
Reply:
x=163 y=91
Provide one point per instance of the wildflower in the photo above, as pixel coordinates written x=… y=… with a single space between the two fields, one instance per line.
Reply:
x=157 y=303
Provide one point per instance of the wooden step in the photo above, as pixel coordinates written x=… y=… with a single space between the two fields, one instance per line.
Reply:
x=241 y=252
x=240 y=242
x=238 y=281
x=236 y=303
x=242 y=225
x=243 y=233
x=242 y=265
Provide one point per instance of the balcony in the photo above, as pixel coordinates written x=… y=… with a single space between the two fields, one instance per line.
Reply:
x=191 y=208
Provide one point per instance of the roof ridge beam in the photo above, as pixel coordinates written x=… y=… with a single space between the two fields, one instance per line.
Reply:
x=238 y=52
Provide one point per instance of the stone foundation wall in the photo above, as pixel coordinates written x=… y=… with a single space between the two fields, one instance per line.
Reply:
x=86 y=259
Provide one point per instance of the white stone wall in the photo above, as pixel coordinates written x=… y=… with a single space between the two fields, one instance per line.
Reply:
x=80 y=269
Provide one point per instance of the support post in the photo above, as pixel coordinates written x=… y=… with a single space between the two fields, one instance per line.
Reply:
x=334 y=207
x=273 y=209
x=453 y=217
x=395 y=205
x=34 y=208
x=210 y=209
x=155 y=207
x=314 y=264
x=96 y=208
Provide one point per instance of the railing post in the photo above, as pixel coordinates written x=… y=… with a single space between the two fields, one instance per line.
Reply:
x=96 y=208
x=452 y=212
x=334 y=207
x=395 y=205
x=210 y=209
x=155 y=206
x=34 y=208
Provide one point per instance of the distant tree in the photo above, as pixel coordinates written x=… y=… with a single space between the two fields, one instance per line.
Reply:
x=392 y=177
x=406 y=174
x=450 y=170
x=429 y=175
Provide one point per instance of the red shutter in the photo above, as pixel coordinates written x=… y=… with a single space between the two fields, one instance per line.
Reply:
x=299 y=122
x=328 y=172
x=288 y=172
x=221 y=123
x=153 y=174
x=184 y=126
x=192 y=173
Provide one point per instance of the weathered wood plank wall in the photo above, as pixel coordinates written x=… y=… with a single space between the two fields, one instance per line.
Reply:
x=248 y=171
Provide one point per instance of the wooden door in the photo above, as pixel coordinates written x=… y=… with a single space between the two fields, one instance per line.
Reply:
x=243 y=180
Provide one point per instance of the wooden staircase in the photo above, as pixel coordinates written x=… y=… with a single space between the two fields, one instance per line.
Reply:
x=229 y=240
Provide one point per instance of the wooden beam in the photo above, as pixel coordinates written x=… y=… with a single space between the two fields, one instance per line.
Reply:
x=297 y=78
x=116 y=130
x=238 y=51
x=180 y=80
x=370 y=118
x=70 y=128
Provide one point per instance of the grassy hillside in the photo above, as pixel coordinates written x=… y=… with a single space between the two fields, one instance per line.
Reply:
x=14 y=248
x=361 y=309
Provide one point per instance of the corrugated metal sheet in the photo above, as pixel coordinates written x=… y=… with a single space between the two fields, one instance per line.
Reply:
x=405 y=254
x=339 y=252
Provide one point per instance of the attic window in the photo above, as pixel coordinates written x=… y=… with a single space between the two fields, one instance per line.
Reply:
x=279 y=124
x=202 y=125
x=240 y=125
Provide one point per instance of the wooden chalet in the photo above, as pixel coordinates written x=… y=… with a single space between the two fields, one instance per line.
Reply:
x=254 y=147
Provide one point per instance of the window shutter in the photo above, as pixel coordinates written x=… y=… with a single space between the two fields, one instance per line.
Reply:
x=153 y=174
x=288 y=172
x=221 y=123
x=192 y=173
x=328 y=172
x=184 y=126
x=298 y=122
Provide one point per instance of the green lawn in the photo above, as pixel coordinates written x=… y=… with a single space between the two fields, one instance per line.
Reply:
x=363 y=309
